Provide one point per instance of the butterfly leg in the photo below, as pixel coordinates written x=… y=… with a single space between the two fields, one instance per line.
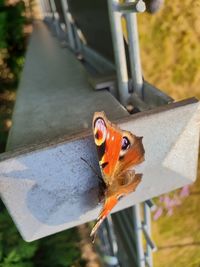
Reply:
x=102 y=185
x=92 y=168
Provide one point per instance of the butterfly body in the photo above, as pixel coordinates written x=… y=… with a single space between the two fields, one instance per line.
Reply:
x=118 y=152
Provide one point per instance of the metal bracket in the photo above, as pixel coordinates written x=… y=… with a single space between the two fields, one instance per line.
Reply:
x=130 y=7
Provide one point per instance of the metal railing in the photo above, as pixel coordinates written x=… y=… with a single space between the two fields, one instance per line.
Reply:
x=125 y=239
x=122 y=234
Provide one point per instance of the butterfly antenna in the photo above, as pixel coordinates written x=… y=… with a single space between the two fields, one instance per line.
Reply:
x=92 y=168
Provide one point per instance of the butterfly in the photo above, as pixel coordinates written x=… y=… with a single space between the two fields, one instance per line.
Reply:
x=118 y=151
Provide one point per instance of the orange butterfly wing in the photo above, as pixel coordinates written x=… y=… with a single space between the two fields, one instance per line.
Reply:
x=118 y=151
x=108 y=144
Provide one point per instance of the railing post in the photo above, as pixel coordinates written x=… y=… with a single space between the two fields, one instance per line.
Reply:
x=134 y=52
x=48 y=9
x=53 y=7
x=119 y=51
x=128 y=9
x=150 y=246
x=138 y=233
x=68 y=24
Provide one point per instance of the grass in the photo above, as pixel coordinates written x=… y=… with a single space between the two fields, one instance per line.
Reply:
x=178 y=236
x=170 y=48
x=7 y=98
x=170 y=53
x=62 y=249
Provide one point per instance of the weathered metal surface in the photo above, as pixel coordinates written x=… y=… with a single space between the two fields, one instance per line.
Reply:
x=54 y=96
x=51 y=189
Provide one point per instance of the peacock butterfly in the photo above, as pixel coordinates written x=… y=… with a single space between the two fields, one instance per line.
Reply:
x=118 y=151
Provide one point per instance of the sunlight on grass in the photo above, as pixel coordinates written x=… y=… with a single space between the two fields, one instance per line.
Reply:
x=170 y=53
x=178 y=236
x=170 y=48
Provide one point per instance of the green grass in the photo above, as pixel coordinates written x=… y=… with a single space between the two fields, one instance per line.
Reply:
x=178 y=236
x=62 y=249
x=59 y=250
x=170 y=48
x=170 y=52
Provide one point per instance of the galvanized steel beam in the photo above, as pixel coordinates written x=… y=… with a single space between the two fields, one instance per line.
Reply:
x=55 y=190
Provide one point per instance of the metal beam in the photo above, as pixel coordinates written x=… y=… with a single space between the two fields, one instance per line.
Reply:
x=55 y=190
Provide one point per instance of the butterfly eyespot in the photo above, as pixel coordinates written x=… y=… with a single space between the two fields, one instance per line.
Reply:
x=125 y=143
x=99 y=131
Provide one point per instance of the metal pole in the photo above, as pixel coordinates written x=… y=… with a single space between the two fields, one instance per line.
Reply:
x=147 y=222
x=111 y=235
x=78 y=43
x=119 y=52
x=56 y=18
x=133 y=6
x=134 y=52
x=53 y=7
x=112 y=257
x=68 y=24
x=138 y=233
x=48 y=9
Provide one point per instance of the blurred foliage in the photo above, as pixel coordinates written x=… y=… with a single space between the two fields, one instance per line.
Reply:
x=12 y=40
x=60 y=250
x=178 y=236
x=12 y=48
x=170 y=51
